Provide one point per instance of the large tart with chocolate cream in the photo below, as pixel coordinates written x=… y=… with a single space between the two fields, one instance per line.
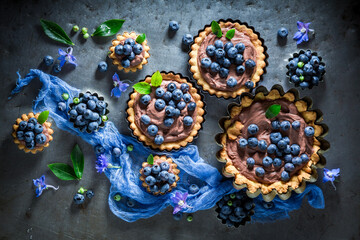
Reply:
x=272 y=155
x=231 y=72
x=170 y=116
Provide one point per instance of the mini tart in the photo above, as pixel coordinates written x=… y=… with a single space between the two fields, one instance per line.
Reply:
x=47 y=131
x=254 y=47
x=173 y=169
x=136 y=63
x=141 y=134
x=233 y=129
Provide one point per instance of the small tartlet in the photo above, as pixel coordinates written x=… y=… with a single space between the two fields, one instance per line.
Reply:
x=256 y=42
x=47 y=129
x=298 y=181
x=116 y=60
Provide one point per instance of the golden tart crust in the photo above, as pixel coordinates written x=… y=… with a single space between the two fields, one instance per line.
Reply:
x=260 y=60
x=306 y=174
x=158 y=160
x=21 y=144
x=116 y=61
x=168 y=145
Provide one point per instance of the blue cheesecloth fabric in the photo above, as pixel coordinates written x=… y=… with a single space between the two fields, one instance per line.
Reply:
x=125 y=180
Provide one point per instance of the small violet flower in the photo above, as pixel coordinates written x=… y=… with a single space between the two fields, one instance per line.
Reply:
x=102 y=164
x=302 y=34
x=179 y=199
x=66 y=57
x=41 y=185
x=330 y=175
x=119 y=86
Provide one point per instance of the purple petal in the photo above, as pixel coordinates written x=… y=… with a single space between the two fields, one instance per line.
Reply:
x=184 y=196
x=115 y=77
x=300 y=25
x=39 y=191
x=176 y=209
x=297 y=35
x=62 y=62
x=306 y=25
x=305 y=37
x=336 y=172
x=72 y=60
x=116 y=92
x=123 y=86
x=299 y=40
x=62 y=52
x=61 y=58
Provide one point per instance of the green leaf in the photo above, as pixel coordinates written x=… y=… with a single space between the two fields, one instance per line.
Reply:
x=55 y=32
x=63 y=171
x=141 y=38
x=108 y=28
x=273 y=111
x=77 y=158
x=43 y=117
x=216 y=29
x=230 y=34
x=150 y=159
x=142 y=88
x=156 y=79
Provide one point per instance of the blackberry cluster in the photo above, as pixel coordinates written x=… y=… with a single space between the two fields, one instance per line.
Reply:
x=88 y=112
x=235 y=209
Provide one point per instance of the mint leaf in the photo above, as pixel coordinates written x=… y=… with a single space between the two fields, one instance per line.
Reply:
x=142 y=88
x=63 y=171
x=150 y=159
x=141 y=38
x=273 y=111
x=77 y=158
x=216 y=29
x=156 y=79
x=43 y=117
x=108 y=28
x=230 y=34
x=55 y=32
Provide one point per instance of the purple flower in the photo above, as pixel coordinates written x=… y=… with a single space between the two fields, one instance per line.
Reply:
x=302 y=34
x=41 y=185
x=66 y=57
x=102 y=164
x=179 y=199
x=330 y=175
x=119 y=86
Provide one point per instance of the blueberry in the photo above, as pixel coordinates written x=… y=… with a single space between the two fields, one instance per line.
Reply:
x=160 y=104
x=278 y=153
x=288 y=158
x=308 y=53
x=158 y=139
x=285 y=125
x=80 y=120
x=102 y=66
x=308 y=69
x=171 y=87
x=129 y=41
x=137 y=48
x=174 y=26
x=297 y=161
x=271 y=148
x=292 y=65
x=295 y=79
x=164 y=175
x=252 y=129
x=277 y=162
x=210 y=50
x=22 y=125
x=40 y=138
x=219 y=53
x=240 y=69
x=172 y=103
x=184 y=87
x=155 y=169
x=267 y=161
x=240 y=47
x=259 y=171
x=205 y=62
x=20 y=135
x=227 y=46
x=48 y=60
x=299 y=72
x=91 y=104
x=90 y=194
x=188 y=121
x=315 y=81
x=191 y=106
x=321 y=69
x=38 y=128
x=187 y=97
x=220 y=61
x=249 y=84
x=250 y=63
x=93 y=126
x=169 y=111
x=303 y=58
x=281 y=144
x=304 y=158
x=232 y=52
x=252 y=142
x=168 y=122
x=165 y=166
x=131 y=56
x=30 y=126
x=275 y=137
x=87 y=114
x=95 y=117
x=130 y=203
x=304 y=85
x=223 y=72
x=239 y=212
x=219 y=44
x=56 y=68
x=250 y=162
x=262 y=145
x=285 y=176
x=282 y=32
x=289 y=167
x=181 y=105
x=226 y=210
x=99 y=149
x=177 y=94
x=152 y=130
x=119 y=50
x=239 y=59
x=287 y=149
x=30 y=144
x=145 y=99
x=295 y=149
x=33 y=121
x=243 y=142
x=172 y=178
x=295 y=125
x=127 y=50
x=187 y=39
x=167 y=96
x=150 y=180
x=214 y=67
x=79 y=198
x=309 y=131
x=231 y=82
x=275 y=125
x=226 y=63
x=164 y=188
x=177 y=216
x=116 y=151
x=315 y=61
x=125 y=63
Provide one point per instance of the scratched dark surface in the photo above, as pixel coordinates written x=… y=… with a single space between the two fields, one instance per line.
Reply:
x=53 y=216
